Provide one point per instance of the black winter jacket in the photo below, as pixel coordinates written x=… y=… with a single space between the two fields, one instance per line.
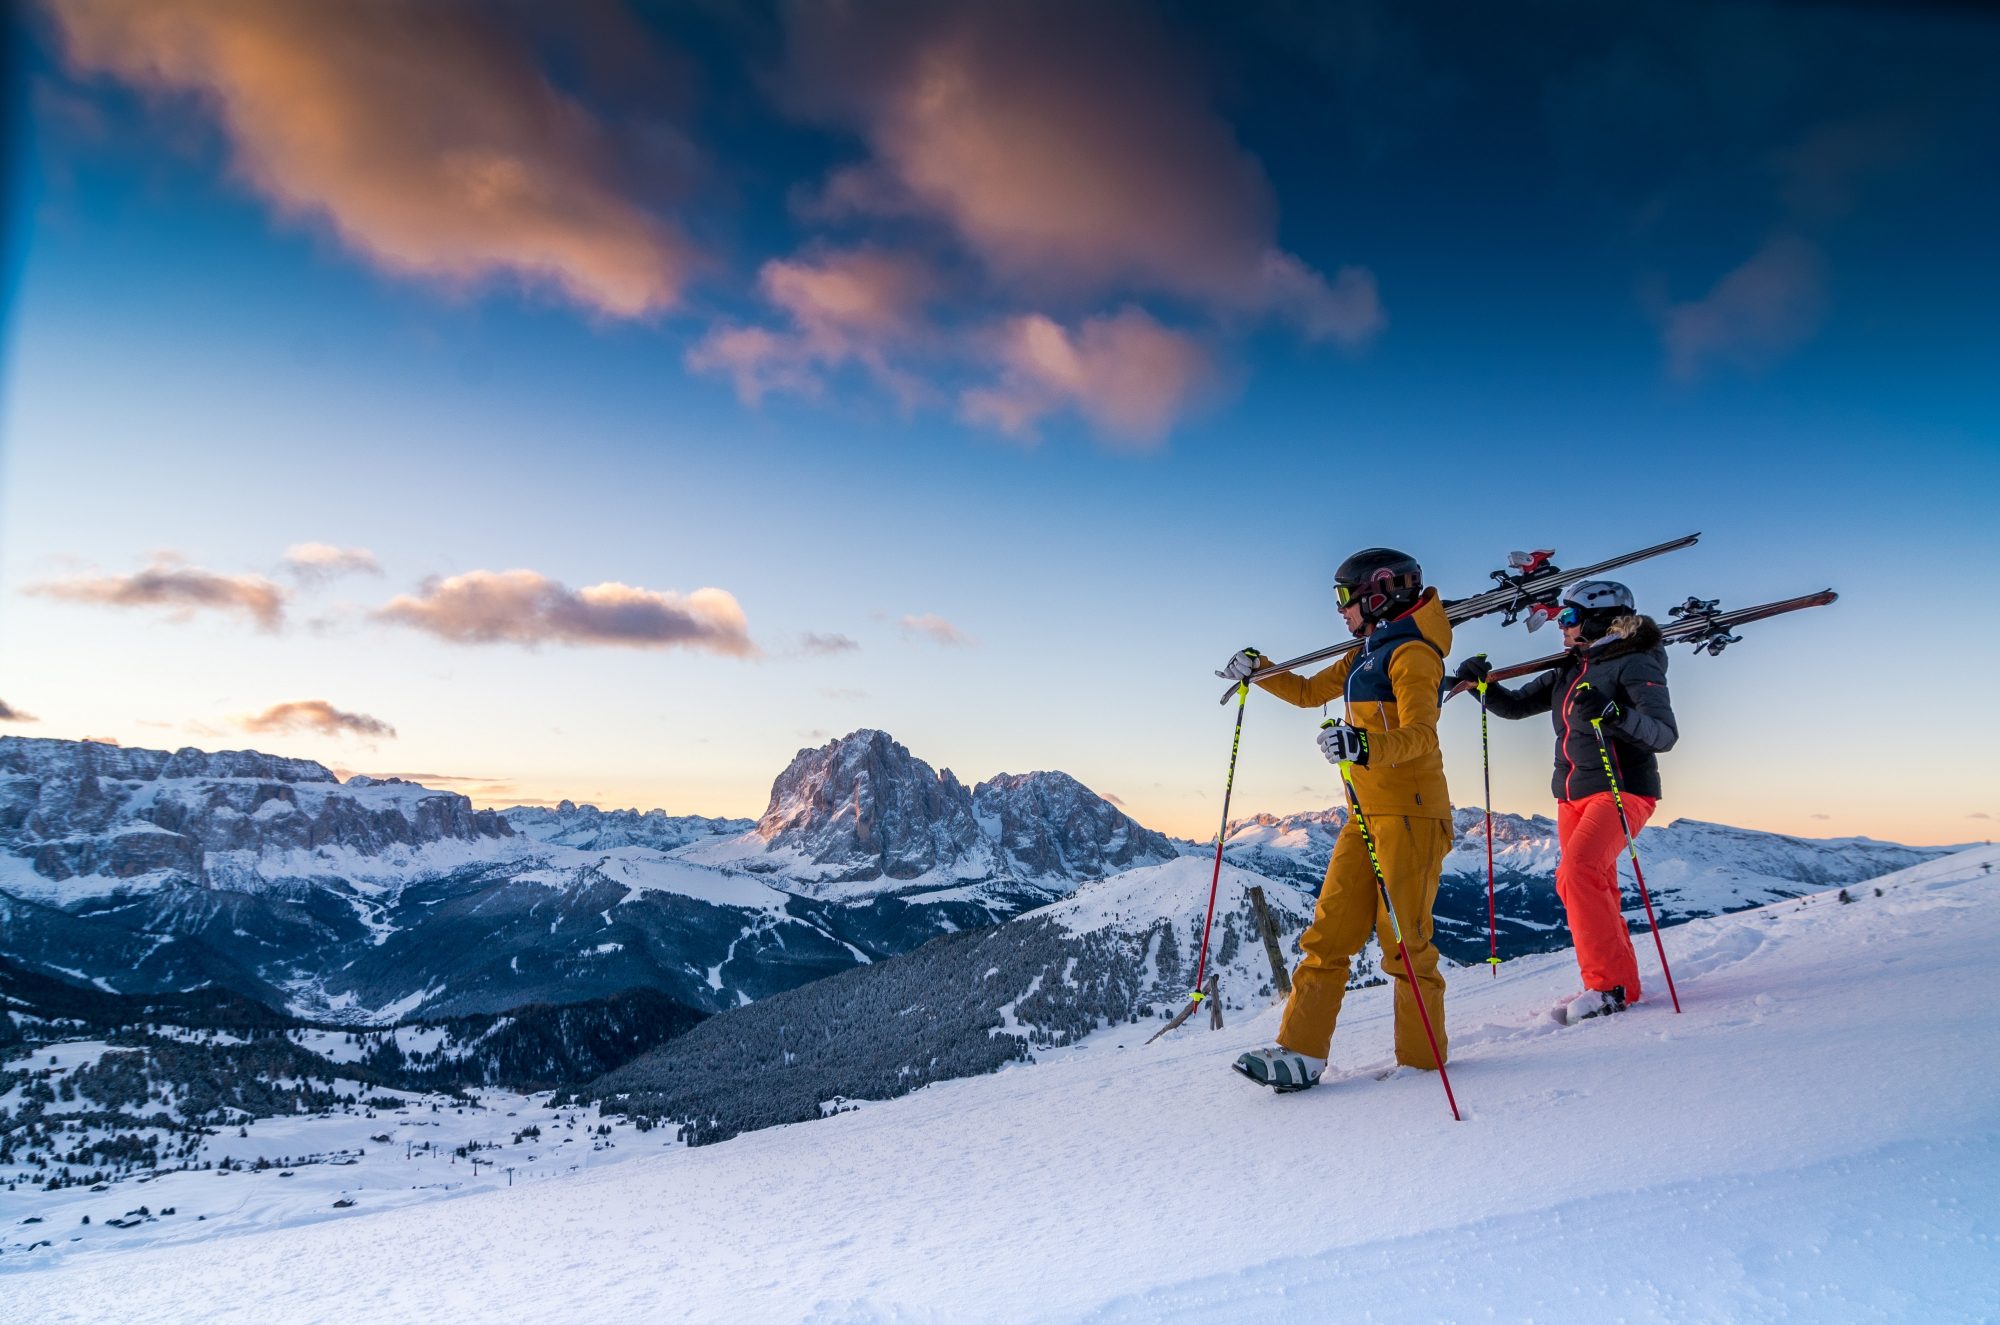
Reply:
x=1629 y=665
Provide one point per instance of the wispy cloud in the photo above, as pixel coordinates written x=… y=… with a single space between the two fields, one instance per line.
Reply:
x=813 y=642
x=523 y=607
x=856 y=306
x=426 y=136
x=935 y=629
x=316 y=563
x=1979 y=814
x=1755 y=315
x=315 y=715
x=1126 y=373
x=181 y=589
x=8 y=713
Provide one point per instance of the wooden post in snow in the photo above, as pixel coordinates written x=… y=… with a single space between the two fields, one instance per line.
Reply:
x=1281 y=979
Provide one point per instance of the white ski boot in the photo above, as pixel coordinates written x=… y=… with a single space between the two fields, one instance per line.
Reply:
x=1281 y=1069
x=1594 y=1003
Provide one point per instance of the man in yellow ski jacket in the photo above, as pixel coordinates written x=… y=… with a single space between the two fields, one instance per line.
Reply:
x=1391 y=686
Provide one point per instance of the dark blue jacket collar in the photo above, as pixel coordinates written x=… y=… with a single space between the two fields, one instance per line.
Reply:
x=1391 y=633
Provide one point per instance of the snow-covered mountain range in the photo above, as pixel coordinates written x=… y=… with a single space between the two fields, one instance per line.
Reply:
x=375 y=899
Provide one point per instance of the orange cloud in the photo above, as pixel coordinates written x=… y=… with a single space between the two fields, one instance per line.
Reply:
x=1067 y=146
x=1129 y=375
x=843 y=306
x=315 y=715
x=181 y=588
x=523 y=607
x=427 y=139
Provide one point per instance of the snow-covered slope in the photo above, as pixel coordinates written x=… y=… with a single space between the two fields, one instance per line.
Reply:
x=1817 y=1137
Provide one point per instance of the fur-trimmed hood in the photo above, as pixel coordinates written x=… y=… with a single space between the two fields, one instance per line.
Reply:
x=1632 y=633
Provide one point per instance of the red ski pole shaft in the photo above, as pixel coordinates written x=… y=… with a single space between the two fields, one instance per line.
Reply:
x=1215 y=879
x=1632 y=848
x=1396 y=931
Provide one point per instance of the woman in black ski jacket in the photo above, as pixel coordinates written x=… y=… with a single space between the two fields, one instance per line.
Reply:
x=1616 y=672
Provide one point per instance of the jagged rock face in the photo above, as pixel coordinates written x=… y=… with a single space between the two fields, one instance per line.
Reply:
x=39 y=757
x=588 y=828
x=1049 y=825
x=78 y=808
x=869 y=808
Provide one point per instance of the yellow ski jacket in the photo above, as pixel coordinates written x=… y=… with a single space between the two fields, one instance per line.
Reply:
x=1392 y=688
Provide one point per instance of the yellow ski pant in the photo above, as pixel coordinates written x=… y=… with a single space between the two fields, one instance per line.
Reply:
x=1350 y=908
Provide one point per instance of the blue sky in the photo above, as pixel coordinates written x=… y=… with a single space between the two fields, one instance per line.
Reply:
x=1608 y=279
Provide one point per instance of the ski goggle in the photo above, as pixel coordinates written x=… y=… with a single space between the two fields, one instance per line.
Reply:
x=1343 y=594
x=1569 y=616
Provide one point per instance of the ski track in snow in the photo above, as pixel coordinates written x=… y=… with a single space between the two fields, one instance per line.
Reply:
x=1816 y=1138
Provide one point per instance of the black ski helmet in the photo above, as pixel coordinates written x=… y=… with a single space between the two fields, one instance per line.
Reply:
x=1381 y=581
x=1598 y=603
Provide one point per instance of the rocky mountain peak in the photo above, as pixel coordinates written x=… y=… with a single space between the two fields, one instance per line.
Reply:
x=868 y=807
x=1047 y=825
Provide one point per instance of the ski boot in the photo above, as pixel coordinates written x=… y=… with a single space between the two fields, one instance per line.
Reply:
x=1280 y=1069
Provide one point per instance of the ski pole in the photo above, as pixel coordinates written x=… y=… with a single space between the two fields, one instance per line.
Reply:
x=1215 y=879
x=1486 y=773
x=1395 y=926
x=1618 y=799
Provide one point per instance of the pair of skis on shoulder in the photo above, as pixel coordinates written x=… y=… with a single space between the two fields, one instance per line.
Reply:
x=1531 y=588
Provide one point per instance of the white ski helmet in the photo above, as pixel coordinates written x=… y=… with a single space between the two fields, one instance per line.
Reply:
x=1599 y=596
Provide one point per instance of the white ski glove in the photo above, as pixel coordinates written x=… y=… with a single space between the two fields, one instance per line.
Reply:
x=1241 y=664
x=1342 y=744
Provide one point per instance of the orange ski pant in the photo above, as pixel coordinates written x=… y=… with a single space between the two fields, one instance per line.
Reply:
x=1587 y=881
x=1412 y=851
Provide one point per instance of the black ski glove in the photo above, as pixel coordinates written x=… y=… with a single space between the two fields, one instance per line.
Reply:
x=1589 y=704
x=1342 y=744
x=1473 y=670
